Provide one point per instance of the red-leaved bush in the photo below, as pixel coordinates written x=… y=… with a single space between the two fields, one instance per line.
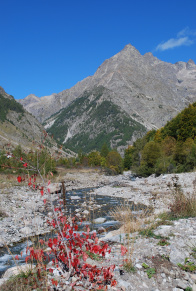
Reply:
x=69 y=249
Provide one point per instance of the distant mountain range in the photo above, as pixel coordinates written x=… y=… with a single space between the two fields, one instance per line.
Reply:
x=128 y=95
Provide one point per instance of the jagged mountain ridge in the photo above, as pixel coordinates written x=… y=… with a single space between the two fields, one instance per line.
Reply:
x=148 y=90
x=153 y=90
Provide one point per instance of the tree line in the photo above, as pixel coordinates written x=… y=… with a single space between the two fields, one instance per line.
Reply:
x=171 y=149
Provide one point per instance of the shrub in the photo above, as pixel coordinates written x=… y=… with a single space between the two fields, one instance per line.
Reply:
x=69 y=248
x=114 y=162
x=183 y=205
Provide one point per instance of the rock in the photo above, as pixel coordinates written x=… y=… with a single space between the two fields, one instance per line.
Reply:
x=163 y=230
x=85 y=212
x=124 y=284
x=26 y=230
x=177 y=256
x=75 y=197
x=2 y=280
x=193 y=277
x=92 y=262
x=38 y=221
x=138 y=266
x=54 y=188
x=181 y=284
x=17 y=270
x=99 y=220
x=194 y=287
x=101 y=230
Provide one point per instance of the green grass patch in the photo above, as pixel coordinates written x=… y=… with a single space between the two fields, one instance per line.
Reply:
x=150 y=271
x=188 y=266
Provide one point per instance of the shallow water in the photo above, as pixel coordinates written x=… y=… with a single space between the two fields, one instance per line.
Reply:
x=97 y=205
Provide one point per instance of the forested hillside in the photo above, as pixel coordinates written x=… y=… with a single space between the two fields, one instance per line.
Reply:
x=167 y=150
x=9 y=104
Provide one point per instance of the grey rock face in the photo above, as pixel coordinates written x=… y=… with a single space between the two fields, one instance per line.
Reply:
x=151 y=90
x=145 y=89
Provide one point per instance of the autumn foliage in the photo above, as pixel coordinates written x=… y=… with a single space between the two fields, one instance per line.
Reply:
x=69 y=248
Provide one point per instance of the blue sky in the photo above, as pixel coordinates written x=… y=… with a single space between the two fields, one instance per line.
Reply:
x=48 y=46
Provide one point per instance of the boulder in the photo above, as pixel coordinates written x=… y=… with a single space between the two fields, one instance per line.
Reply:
x=17 y=270
x=54 y=188
x=26 y=230
x=99 y=220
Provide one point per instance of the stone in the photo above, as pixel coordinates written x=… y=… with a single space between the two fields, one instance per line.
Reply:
x=54 y=188
x=99 y=220
x=75 y=197
x=85 y=212
x=181 y=284
x=163 y=230
x=177 y=256
x=138 y=266
x=17 y=270
x=194 y=287
x=124 y=284
x=193 y=277
x=26 y=230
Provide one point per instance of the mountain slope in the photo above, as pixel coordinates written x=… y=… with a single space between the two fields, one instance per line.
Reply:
x=91 y=120
x=171 y=149
x=147 y=90
x=17 y=126
x=153 y=90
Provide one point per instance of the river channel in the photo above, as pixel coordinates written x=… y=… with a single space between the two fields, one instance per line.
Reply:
x=80 y=202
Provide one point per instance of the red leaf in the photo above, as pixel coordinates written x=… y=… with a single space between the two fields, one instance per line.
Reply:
x=42 y=192
x=19 y=179
x=41 y=241
x=113 y=283
x=123 y=250
x=85 y=256
x=96 y=240
x=16 y=257
x=25 y=165
x=54 y=282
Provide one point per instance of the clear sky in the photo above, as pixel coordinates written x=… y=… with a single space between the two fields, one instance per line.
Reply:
x=47 y=46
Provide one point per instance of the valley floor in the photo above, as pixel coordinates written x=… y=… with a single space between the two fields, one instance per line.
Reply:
x=24 y=209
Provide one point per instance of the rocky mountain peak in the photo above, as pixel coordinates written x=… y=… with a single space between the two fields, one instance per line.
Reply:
x=142 y=87
x=130 y=49
x=4 y=94
x=191 y=62
x=190 y=65
x=30 y=99
x=2 y=91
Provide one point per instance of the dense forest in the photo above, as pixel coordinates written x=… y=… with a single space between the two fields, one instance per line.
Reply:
x=171 y=149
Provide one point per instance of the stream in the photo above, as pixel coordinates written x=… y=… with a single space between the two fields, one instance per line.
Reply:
x=80 y=201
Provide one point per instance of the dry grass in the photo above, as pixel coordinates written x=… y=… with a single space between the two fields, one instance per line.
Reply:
x=131 y=223
x=127 y=217
x=183 y=205
x=25 y=282
x=8 y=180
